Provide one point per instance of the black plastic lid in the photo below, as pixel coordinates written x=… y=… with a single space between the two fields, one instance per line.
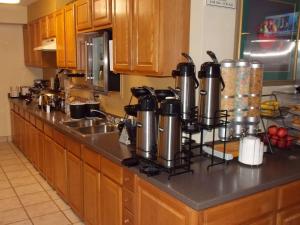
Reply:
x=170 y=107
x=184 y=70
x=210 y=70
x=147 y=103
x=139 y=91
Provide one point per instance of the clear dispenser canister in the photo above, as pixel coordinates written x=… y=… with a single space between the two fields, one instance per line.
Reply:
x=229 y=74
x=242 y=88
x=256 y=85
x=242 y=96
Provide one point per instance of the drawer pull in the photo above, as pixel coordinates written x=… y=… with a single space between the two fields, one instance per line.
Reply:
x=126 y=221
x=126 y=200
x=126 y=179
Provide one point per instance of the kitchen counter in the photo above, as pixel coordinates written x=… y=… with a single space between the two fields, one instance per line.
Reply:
x=203 y=188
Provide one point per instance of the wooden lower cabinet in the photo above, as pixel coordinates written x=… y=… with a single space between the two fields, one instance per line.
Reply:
x=60 y=171
x=49 y=159
x=290 y=216
x=91 y=194
x=156 y=207
x=75 y=183
x=111 y=202
x=265 y=220
x=41 y=152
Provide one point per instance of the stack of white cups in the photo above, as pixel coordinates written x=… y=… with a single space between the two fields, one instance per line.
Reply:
x=251 y=151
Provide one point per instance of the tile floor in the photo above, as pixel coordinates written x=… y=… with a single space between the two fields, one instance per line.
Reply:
x=25 y=197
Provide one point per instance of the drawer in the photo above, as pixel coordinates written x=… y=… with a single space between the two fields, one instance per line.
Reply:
x=128 y=180
x=128 y=218
x=128 y=200
x=59 y=138
x=26 y=115
x=73 y=146
x=92 y=158
x=39 y=124
x=112 y=170
x=32 y=119
x=252 y=207
x=48 y=130
x=289 y=195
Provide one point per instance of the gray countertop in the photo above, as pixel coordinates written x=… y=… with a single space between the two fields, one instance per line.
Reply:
x=204 y=188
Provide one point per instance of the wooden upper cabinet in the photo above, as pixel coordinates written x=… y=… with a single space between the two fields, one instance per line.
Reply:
x=27 y=44
x=101 y=12
x=159 y=35
x=122 y=23
x=70 y=36
x=51 y=25
x=156 y=207
x=44 y=27
x=60 y=38
x=145 y=36
x=83 y=15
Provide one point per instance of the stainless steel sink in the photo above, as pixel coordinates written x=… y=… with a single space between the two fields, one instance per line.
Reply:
x=84 y=123
x=104 y=128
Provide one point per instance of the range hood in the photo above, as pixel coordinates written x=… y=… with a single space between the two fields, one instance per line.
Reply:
x=47 y=45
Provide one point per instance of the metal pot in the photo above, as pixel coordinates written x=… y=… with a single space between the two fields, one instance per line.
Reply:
x=78 y=110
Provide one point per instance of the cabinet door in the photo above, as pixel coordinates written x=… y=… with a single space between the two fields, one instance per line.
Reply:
x=27 y=139
x=122 y=22
x=44 y=27
x=70 y=36
x=91 y=192
x=60 y=38
x=26 y=41
x=101 y=12
x=156 y=207
x=75 y=183
x=60 y=170
x=145 y=36
x=290 y=216
x=40 y=149
x=51 y=25
x=49 y=160
x=37 y=42
x=111 y=202
x=266 y=220
x=83 y=15
x=34 y=148
x=12 y=126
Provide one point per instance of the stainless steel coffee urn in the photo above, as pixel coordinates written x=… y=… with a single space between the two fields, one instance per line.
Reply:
x=169 y=137
x=146 y=134
x=210 y=88
x=186 y=82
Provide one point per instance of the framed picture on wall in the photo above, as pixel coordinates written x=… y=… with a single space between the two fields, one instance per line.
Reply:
x=268 y=31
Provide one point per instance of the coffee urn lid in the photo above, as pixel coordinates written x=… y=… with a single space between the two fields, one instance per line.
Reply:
x=147 y=103
x=210 y=70
x=256 y=64
x=170 y=107
x=184 y=70
x=228 y=63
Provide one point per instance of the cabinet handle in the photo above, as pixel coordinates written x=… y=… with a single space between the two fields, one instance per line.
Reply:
x=126 y=200
x=126 y=179
x=126 y=221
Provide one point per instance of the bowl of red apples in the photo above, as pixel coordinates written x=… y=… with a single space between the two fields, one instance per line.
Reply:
x=279 y=137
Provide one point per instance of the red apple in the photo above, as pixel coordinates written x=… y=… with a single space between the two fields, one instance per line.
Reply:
x=289 y=141
x=282 y=132
x=281 y=144
x=274 y=140
x=272 y=130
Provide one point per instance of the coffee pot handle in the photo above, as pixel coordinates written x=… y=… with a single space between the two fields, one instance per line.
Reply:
x=223 y=83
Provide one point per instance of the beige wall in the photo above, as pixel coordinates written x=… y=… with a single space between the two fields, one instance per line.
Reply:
x=13 y=14
x=13 y=70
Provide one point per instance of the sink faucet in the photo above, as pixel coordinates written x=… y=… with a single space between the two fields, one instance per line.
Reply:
x=100 y=112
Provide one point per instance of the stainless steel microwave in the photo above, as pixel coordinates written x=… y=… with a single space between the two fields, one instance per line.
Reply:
x=93 y=59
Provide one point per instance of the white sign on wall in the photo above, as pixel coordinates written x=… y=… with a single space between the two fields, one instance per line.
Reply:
x=222 y=3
